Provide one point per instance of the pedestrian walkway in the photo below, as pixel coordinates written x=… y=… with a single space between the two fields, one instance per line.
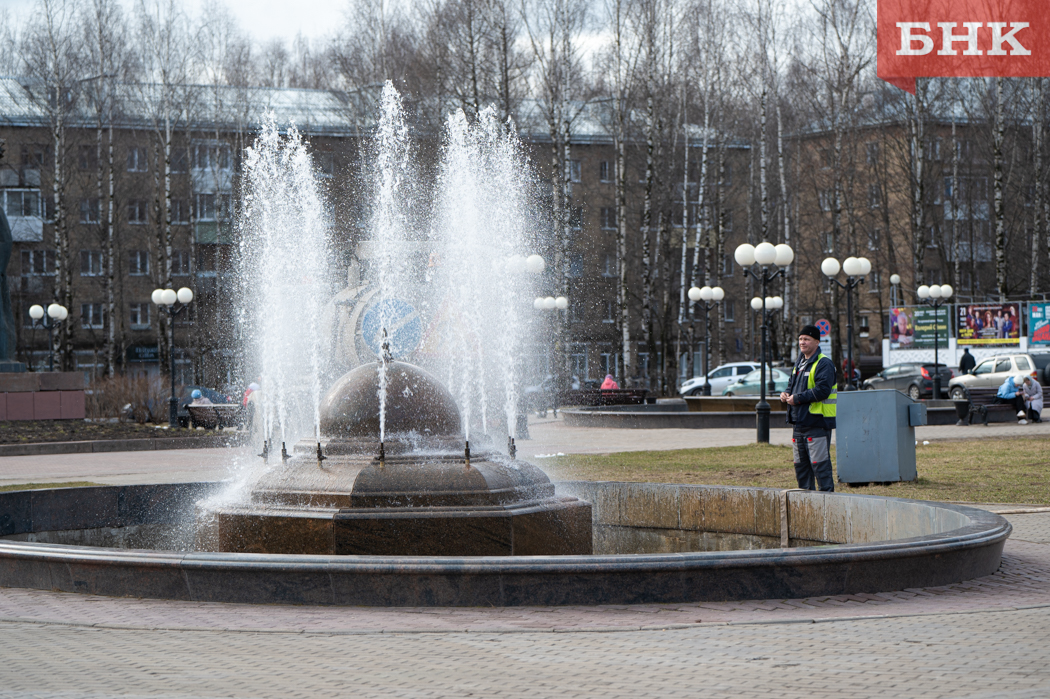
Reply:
x=981 y=639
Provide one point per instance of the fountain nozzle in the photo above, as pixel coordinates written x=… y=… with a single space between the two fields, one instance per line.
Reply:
x=382 y=455
x=266 y=451
x=512 y=449
x=284 y=452
x=466 y=454
x=320 y=454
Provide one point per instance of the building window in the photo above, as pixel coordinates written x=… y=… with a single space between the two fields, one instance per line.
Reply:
x=825 y=199
x=577 y=313
x=728 y=265
x=211 y=157
x=604 y=171
x=21 y=202
x=138 y=159
x=933 y=149
x=574 y=171
x=576 y=218
x=576 y=266
x=138 y=263
x=91 y=263
x=609 y=268
x=180 y=160
x=874 y=196
x=88 y=158
x=871 y=149
x=829 y=242
x=326 y=164
x=874 y=238
x=865 y=328
x=34 y=155
x=180 y=211
x=608 y=218
x=213 y=207
x=38 y=263
x=875 y=282
x=730 y=310
x=91 y=315
x=139 y=316
x=727 y=174
x=180 y=263
x=90 y=211
x=138 y=211
x=610 y=312
x=727 y=221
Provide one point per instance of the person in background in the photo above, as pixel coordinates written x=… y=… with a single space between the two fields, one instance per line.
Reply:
x=1033 y=398
x=967 y=362
x=610 y=383
x=811 y=398
x=1010 y=394
x=199 y=398
x=252 y=388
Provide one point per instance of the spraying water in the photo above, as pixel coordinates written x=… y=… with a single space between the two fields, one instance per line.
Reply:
x=481 y=232
x=389 y=222
x=283 y=260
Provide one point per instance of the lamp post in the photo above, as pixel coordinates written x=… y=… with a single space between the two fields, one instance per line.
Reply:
x=764 y=254
x=895 y=289
x=165 y=299
x=767 y=307
x=935 y=296
x=707 y=293
x=856 y=268
x=56 y=313
x=550 y=303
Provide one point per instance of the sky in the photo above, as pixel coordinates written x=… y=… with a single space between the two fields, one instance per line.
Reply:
x=263 y=19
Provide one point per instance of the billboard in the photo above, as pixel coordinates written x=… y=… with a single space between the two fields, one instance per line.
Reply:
x=988 y=324
x=1039 y=324
x=902 y=328
x=925 y=320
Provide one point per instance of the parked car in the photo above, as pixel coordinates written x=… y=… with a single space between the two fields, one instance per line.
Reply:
x=990 y=372
x=751 y=384
x=913 y=378
x=720 y=377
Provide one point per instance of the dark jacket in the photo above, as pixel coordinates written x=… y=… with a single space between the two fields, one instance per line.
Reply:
x=967 y=363
x=823 y=381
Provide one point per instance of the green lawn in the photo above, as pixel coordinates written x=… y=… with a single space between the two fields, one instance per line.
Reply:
x=972 y=470
x=38 y=486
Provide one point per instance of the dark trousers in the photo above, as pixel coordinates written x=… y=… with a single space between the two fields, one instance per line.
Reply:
x=811 y=447
x=1017 y=401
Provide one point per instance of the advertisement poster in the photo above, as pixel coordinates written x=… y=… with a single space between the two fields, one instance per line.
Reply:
x=923 y=319
x=1039 y=324
x=902 y=328
x=989 y=324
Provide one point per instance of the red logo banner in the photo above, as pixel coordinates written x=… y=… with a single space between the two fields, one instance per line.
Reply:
x=962 y=39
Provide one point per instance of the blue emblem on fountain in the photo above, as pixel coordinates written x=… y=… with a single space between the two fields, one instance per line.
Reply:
x=404 y=328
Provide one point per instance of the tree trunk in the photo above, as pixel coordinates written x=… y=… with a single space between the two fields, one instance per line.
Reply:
x=1000 y=218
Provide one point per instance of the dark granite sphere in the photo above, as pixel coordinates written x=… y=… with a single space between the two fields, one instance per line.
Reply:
x=415 y=402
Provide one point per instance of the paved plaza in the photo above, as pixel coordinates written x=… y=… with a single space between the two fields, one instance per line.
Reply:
x=988 y=637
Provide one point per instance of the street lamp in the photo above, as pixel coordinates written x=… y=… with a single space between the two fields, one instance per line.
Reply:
x=895 y=289
x=767 y=307
x=165 y=299
x=550 y=303
x=935 y=296
x=707 y=293
x=856 y=268
x=764 y=254
x=56 y=313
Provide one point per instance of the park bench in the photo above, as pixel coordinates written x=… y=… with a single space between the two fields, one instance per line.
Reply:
x=215 y=416
x=981 y=402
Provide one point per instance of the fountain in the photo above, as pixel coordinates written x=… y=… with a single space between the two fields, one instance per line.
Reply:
x=419 y=492
x=393 y=491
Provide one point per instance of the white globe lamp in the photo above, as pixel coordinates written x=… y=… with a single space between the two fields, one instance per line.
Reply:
x=745 y=255
x=695 y=293
x=765 y=254
x=36 y=311
x=830 y=267
x=785 y=255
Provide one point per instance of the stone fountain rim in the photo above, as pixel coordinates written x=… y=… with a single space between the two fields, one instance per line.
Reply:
x=970 y=551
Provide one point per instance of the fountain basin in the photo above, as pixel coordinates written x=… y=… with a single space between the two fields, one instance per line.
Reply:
x=864 y=544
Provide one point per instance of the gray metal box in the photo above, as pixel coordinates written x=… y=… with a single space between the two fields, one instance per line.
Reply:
x=876 y=436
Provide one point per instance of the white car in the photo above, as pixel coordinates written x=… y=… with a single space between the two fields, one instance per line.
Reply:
x=720 y=377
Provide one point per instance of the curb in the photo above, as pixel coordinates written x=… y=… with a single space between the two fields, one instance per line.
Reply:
x=512 y=630
x=110 y=445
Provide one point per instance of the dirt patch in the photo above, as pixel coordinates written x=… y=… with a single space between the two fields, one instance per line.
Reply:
x=31 y=431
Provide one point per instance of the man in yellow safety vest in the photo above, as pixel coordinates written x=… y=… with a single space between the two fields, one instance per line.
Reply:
x=810 y=399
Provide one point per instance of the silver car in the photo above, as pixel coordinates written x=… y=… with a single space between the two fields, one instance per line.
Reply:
x=991 y=372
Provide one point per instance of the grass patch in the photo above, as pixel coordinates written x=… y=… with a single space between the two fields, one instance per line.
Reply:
x=38 y=486
x=1014 y=470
